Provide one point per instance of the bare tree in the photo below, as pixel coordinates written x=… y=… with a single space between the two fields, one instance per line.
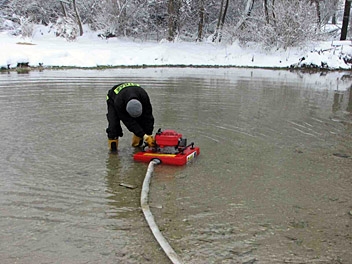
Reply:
x=174 y=16
x=317 y=6
x=63 y=7
x=292 y=23
x=216 y=34
x=346 y=18
x=201 y=20
x=333 y=17
x=273 y=22
x=247 y=13
x=221 y=20
x=266 y=11
x=78 y=18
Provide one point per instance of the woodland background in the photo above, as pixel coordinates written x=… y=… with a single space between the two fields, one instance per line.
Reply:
x=270 y=23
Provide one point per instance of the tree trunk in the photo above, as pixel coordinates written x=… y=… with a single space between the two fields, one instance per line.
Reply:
x=63 y=9
x=349 y=105
x=78 y=18
x=201 y=20
x=346 y=18
x=317 y=7
x=274 y=15
x=173 y=10
x=266 y=11
x=216 y=34
x=223 y=19
x=247 y=11
x=333 y=18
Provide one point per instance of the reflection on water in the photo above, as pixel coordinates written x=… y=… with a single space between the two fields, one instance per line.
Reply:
x=272 y=183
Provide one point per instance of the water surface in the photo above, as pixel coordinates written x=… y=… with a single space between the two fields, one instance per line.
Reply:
x=272 y=183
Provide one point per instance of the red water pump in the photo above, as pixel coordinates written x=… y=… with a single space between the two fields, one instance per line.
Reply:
x=170 y=148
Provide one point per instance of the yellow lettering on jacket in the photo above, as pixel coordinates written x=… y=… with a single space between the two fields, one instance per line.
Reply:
x=124 y=85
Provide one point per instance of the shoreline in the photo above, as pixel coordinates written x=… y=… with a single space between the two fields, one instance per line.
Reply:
x=305 y=69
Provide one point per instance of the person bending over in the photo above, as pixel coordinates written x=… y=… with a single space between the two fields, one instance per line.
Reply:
x=129 y=103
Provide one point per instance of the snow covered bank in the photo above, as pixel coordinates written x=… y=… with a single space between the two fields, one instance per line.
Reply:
x=44 y=49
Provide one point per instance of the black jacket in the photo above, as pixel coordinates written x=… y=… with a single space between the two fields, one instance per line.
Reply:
x=117 y=101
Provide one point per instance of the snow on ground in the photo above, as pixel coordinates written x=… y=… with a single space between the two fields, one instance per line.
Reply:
x=45 y=49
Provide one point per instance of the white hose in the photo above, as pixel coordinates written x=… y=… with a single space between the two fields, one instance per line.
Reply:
x=150 y=219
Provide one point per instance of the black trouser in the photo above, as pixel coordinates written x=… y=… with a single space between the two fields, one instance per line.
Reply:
x=114 y=129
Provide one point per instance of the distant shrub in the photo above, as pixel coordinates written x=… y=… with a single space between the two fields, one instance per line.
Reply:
x=291 y=23
x=27 y=27
x=66 y=28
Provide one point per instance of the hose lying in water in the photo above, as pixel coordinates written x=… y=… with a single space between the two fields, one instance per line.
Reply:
x=150 y=219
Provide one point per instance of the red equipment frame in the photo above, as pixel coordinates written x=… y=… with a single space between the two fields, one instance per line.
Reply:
x=170 y=149
x=179 y=159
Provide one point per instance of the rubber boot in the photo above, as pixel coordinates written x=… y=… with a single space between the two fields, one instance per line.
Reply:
x=113 y=144
x=136 y=141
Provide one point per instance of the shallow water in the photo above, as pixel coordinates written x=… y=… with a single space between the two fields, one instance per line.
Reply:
x=272 y=184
